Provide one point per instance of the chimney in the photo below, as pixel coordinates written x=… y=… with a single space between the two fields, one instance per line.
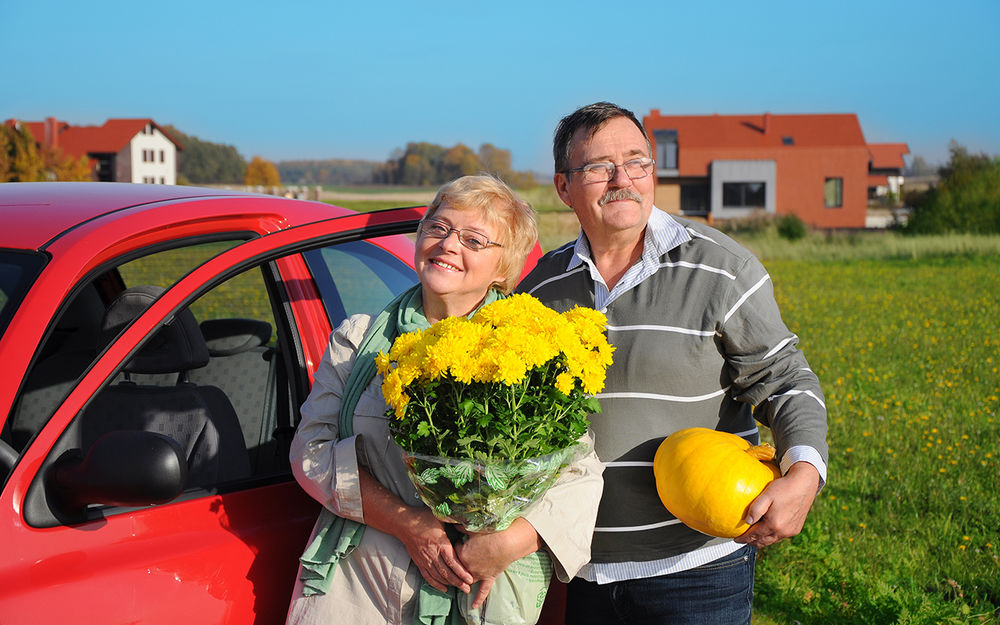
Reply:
x=51 y=133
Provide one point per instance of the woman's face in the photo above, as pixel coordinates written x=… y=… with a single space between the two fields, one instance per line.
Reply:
x=450 y=271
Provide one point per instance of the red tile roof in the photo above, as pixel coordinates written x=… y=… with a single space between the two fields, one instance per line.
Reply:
x=888 y=155
x=767 y=130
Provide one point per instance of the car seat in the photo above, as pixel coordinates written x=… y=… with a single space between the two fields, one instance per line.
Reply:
x=199 y=417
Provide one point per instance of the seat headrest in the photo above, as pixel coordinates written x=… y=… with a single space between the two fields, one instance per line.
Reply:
x=226 y=337
x=177 y=346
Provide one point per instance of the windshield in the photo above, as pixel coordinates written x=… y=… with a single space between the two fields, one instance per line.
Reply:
x=17 y=271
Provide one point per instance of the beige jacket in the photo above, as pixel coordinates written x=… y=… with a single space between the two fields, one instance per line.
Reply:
x=377 y=583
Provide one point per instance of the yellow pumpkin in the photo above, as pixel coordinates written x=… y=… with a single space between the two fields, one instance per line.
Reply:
x=708 y=479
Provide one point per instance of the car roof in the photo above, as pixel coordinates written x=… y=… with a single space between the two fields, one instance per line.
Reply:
x=36 y=213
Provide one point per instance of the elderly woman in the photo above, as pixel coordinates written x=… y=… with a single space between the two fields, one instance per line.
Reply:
x=376 y=539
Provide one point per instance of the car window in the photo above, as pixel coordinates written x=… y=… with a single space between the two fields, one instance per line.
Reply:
x=75 y=336
x=357 y=277
x=17 y=271
x=165 y=267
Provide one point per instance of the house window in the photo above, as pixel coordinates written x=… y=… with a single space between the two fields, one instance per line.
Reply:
x=743 y=194
x=162 y=158
x=833 y=192
x=787 y=140
x=666 y=148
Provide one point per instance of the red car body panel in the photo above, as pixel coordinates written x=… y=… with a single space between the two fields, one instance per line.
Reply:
x=206 y=557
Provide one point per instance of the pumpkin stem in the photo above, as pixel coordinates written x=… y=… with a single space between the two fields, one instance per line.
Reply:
x=762 y=452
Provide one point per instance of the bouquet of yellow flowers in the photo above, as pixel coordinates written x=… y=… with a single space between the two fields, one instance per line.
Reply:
x=489 y=409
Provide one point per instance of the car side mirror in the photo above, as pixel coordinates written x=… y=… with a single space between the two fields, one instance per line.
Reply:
x=122 y=468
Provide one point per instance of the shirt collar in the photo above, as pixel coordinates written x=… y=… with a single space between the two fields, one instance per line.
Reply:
x=663 y=233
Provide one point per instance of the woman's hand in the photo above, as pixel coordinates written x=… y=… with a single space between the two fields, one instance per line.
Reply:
x=487 y=555
x=419 y=531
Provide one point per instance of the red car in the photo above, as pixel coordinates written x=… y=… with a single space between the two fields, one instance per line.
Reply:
x=156 y=343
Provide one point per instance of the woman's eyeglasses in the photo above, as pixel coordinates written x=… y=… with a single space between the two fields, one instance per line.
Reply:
x=471 y=239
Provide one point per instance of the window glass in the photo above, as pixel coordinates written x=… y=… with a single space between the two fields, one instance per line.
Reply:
x=76 y=337
x=666 y=148
x=833 y=192
x=17 y=271
x=357 y=277
x=743 y=194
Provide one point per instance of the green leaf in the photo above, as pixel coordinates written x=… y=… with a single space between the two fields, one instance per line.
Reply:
x=429 y=476
x=496 y=476
x=443 y=509
x=459 y=474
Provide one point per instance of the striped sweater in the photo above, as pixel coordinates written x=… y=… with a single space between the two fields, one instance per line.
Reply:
x=699 y=342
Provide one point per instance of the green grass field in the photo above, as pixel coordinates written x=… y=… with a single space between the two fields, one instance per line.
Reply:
x=908 y=528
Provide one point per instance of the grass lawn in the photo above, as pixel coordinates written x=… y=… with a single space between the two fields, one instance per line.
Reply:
x=908 y=528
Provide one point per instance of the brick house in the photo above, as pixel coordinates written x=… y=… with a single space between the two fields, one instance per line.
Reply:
x=121 y=150
x=731 y=166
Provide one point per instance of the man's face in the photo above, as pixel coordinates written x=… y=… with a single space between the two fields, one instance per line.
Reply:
x=617 y=209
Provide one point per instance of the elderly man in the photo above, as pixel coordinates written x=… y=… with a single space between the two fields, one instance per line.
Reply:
x=699 y=342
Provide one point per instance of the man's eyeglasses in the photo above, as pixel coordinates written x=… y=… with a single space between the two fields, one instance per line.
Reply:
x=602 y=172
x=471 y=239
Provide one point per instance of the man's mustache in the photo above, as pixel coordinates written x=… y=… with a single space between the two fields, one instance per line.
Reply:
x=620 y=194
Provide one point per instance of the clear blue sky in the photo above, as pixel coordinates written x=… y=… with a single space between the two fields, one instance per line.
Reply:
x=360 y=78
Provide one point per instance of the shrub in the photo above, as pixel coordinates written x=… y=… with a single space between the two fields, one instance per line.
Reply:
x=967 y=200
x=791 y=227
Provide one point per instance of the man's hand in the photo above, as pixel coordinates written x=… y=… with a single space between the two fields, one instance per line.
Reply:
x=780 y=510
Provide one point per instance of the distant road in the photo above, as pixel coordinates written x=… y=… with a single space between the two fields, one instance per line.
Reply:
x=416 y=197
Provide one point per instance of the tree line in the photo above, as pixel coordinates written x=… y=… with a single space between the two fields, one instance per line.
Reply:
x=429 y=164
x=967 y=198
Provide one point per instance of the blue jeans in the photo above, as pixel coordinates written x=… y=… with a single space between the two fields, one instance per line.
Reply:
x=717 y=593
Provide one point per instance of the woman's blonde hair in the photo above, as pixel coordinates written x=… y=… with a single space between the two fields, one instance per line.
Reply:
x=513 y=218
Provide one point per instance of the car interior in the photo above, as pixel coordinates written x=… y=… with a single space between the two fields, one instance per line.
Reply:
x=218 y=388
x=216 y=380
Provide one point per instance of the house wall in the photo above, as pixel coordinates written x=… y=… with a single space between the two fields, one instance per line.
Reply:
x=800 y=178
x=162 y=168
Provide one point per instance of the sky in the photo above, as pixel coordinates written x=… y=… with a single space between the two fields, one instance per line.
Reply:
x=359 y=79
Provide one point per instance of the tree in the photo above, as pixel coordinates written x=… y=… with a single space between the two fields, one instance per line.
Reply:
x=494 y=160
x=262 y=173
x=966 y=200
x=56 y=166
x=459 y=161
x=19 y=158
x=204 y=162
x=920 y=167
